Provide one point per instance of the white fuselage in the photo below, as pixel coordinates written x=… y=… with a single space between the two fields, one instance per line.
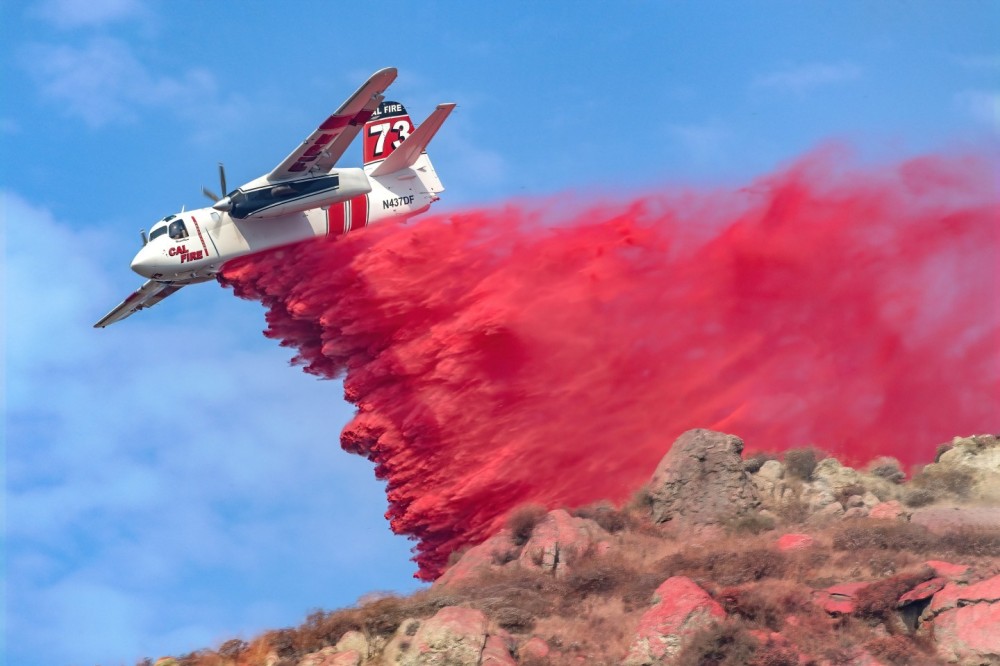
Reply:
x=192 y=246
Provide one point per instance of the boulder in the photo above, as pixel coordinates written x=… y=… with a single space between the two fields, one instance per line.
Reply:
x=956 y=572
x=455 y=636
x=978 y=455
x=923 y=591
x=497 y=651
x=891 y=510
x=680 y=609
x=840 y=599
x=330 y=656
x=969 y=634
x=870 y=500
x=702 y=480
x=772 y=470
x=828 y=513
x=557 y=539
x=953 y=595
x=534 y=648
x=489 y=555
x=830 y=475
x=353 y=640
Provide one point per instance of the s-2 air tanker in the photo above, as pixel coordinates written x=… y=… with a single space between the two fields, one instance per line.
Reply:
x=305 y=196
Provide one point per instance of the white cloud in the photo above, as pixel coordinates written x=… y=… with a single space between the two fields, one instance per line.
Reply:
x=989 y=63
x=167 y=474
x=704 y=143
x=982 y=105
x=808 y=76
x=67 y=14
x=103 y=82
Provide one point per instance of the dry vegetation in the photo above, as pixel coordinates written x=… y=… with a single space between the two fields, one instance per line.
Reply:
x=769 y=595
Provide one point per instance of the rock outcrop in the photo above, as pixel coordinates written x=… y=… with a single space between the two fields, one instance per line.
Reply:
x=557 y=539
x=980 y=456
x=702 y=480
x=821 y=570
x=964 y=621
x=454 y=636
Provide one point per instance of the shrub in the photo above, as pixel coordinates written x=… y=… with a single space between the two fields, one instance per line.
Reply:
x=757 y=460
x=752 y=523
x=767 y=604
x=879 y=599
x=882 y=535
x=888 y=469
x=522 y=521
x=847 y=492
x=942 y=449
x=722 y=644
x=641 y=500
x=514 y=619
x=726 y=567
x=896 y=650
x=949 y=480
x=800 y=463
x=233 y=649
x=606 y=515
x=976 y=541
x=917 y=497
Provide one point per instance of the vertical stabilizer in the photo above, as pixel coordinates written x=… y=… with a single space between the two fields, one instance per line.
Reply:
x=385 y=131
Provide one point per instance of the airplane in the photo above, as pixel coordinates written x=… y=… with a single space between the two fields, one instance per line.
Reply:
x=304 y=197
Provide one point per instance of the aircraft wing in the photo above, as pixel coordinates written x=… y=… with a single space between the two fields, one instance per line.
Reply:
x=145 y=296
x=321 y=149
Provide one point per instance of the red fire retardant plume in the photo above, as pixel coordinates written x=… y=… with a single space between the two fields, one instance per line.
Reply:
x=545 y=353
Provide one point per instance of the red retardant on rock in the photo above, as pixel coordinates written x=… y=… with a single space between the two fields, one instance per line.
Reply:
x=795 y=541
x=925 y=590
x=952 y=595
x=970 y=634
x=955 y=572
x=840 y=599
x=545 y=353
x=680 y=609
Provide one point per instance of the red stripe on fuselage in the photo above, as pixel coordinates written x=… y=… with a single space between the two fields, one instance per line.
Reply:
x=335 y=219
x=359 y=212
x=200 y=237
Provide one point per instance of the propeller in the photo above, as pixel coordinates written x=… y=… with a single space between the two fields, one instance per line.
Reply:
x=222 y=181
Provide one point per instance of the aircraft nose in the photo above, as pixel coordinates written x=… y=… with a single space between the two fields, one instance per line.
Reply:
x=143 y=263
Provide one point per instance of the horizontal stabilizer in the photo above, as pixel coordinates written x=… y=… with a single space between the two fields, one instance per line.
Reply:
x=145 y=296
x=408 y=152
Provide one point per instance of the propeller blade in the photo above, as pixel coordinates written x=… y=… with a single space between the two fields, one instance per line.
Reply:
x=210 y=194
x=222 y=179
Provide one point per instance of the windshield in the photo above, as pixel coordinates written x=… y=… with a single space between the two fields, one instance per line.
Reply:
x=157 y=231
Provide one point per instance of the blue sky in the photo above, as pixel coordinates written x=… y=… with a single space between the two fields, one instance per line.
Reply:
x=170 y=481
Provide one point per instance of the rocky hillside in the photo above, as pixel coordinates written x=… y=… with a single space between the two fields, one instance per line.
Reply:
x=769 y=560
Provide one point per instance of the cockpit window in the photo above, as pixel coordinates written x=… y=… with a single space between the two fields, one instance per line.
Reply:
x=157 y=231
x=177 y=230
